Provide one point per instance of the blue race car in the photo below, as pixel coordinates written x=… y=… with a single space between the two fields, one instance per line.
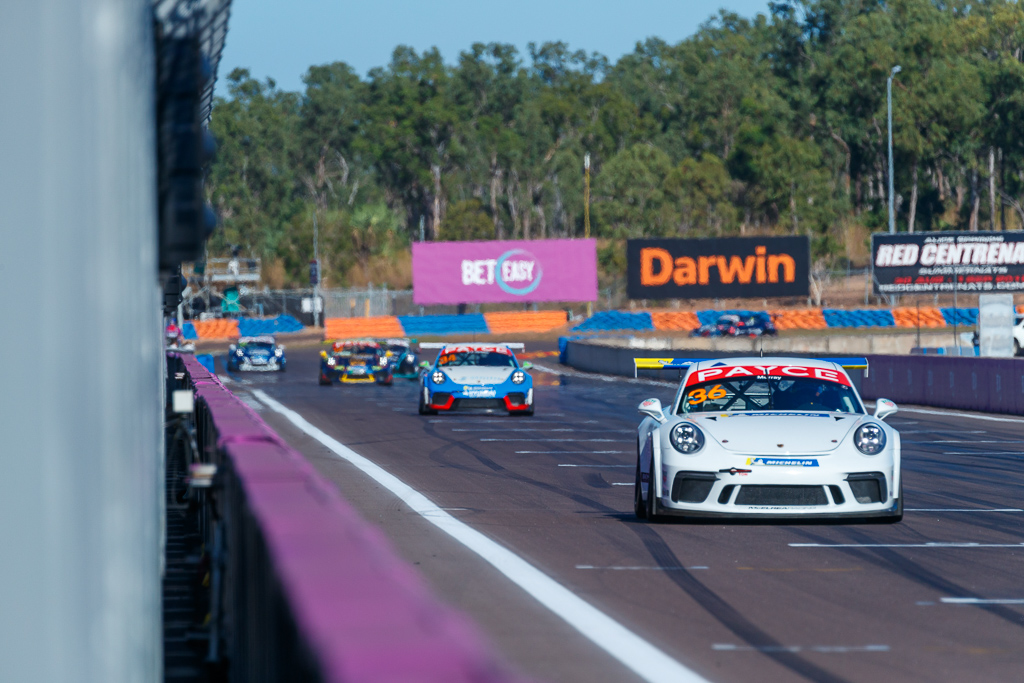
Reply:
x=256 y=353
x=475 y=377
x=355 y=362
x=401 y=358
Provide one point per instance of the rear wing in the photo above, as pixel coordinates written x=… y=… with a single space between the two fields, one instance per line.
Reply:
x=684 y=363
x=440 y=345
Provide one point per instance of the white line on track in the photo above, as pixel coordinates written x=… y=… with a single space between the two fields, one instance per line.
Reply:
x=906 y=545
x=560 y=429
x=932 y=431
x=982 y=453
x=603 y=378
x=549 y=440
x=564 y=465
x=633 y=569
x=829 y=649
x=983 y=601
x=966 y=442
x=463 y=418
x=635 y=653
x=623 y=483
x=965 y=510
x=561 y=452
x=949 y=413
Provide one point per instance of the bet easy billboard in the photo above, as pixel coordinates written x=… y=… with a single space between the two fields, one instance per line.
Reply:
x=725 y=267
x=504 y=272
x=927 y=262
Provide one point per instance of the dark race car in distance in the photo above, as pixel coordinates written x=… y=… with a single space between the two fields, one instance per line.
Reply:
x=749 y=324
x=401 y=357
x=355 y=362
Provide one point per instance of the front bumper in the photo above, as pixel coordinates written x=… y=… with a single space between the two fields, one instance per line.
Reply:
x=270 y=366
x=839 y=486
x=513 y=401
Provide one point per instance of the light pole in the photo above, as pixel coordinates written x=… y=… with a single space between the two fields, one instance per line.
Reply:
x=888 y=90
x=316 y=261
x=586 y=212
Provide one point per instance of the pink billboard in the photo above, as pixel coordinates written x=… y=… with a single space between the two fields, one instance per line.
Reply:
x=498 y=272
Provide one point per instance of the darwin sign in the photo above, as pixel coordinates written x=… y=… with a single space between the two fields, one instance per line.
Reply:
x=732 y=267
x=926 y=262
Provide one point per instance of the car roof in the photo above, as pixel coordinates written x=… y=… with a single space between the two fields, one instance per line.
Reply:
x=765 y=361
x=465 y=348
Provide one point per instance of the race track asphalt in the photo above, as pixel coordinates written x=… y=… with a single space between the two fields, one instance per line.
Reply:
x=939 y=597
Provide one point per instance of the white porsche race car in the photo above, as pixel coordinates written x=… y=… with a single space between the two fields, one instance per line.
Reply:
x=766 y=437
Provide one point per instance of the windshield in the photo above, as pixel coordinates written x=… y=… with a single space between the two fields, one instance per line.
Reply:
x=257 y=346
x=397 y=350
x=489 y=359
x=769 y=393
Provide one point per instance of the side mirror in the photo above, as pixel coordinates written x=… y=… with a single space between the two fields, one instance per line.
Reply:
x=652 y=407
x=280 y=347
x=527 y=365
x=323 y=354
x=232 y=347
x=884 y=408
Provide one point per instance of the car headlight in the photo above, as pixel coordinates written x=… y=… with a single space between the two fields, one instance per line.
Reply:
x=686 y=438
x=869 y=439
x=330 y=361
x=239 y=353
x=278 y=352
x=438 y=377
x=518 y=377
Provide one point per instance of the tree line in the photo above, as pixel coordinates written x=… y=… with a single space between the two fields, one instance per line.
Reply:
x=770 y=125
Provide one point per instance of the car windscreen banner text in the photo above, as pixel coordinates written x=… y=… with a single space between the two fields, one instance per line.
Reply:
x=939 y=261
x=730 y=267
x=504 y=271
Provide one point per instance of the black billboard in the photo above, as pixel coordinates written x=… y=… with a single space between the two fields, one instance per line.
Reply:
x=725 y=267
x=927 y=262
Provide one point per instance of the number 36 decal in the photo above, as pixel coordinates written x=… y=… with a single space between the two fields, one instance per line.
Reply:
x=700 y=395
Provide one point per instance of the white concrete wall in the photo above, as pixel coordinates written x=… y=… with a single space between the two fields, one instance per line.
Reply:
x=80 y=413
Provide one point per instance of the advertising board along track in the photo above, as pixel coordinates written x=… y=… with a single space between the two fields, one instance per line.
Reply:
x=504 y=271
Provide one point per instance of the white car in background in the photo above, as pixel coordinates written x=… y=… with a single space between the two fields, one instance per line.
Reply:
x=766 y=437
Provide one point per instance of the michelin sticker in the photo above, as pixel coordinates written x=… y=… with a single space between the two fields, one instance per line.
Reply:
x=478 y=392
x=783 y=462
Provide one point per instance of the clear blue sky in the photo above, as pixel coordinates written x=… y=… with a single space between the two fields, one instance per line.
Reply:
x=282 y=38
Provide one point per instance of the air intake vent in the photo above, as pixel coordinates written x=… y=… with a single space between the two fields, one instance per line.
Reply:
x=723 y=497
x=837 y=495
x=692 y=487
x=868 y=487
x=781 y=495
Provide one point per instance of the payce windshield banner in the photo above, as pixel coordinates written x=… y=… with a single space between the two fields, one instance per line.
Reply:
x=724 y=267
x=502 y=272
x=926 y=262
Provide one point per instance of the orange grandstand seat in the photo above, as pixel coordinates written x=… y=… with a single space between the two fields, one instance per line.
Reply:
x=675 y=320
x=355 y=328
x=908 y=317
x=799 y=319
x=507 y=322
x=216 y=329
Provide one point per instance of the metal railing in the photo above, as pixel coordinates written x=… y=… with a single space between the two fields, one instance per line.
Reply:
x=271 y=528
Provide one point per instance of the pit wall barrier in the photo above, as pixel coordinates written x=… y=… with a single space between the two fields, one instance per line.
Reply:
x=991 y=385
x=506 y=322
x=301 y=587
x=928 y=317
